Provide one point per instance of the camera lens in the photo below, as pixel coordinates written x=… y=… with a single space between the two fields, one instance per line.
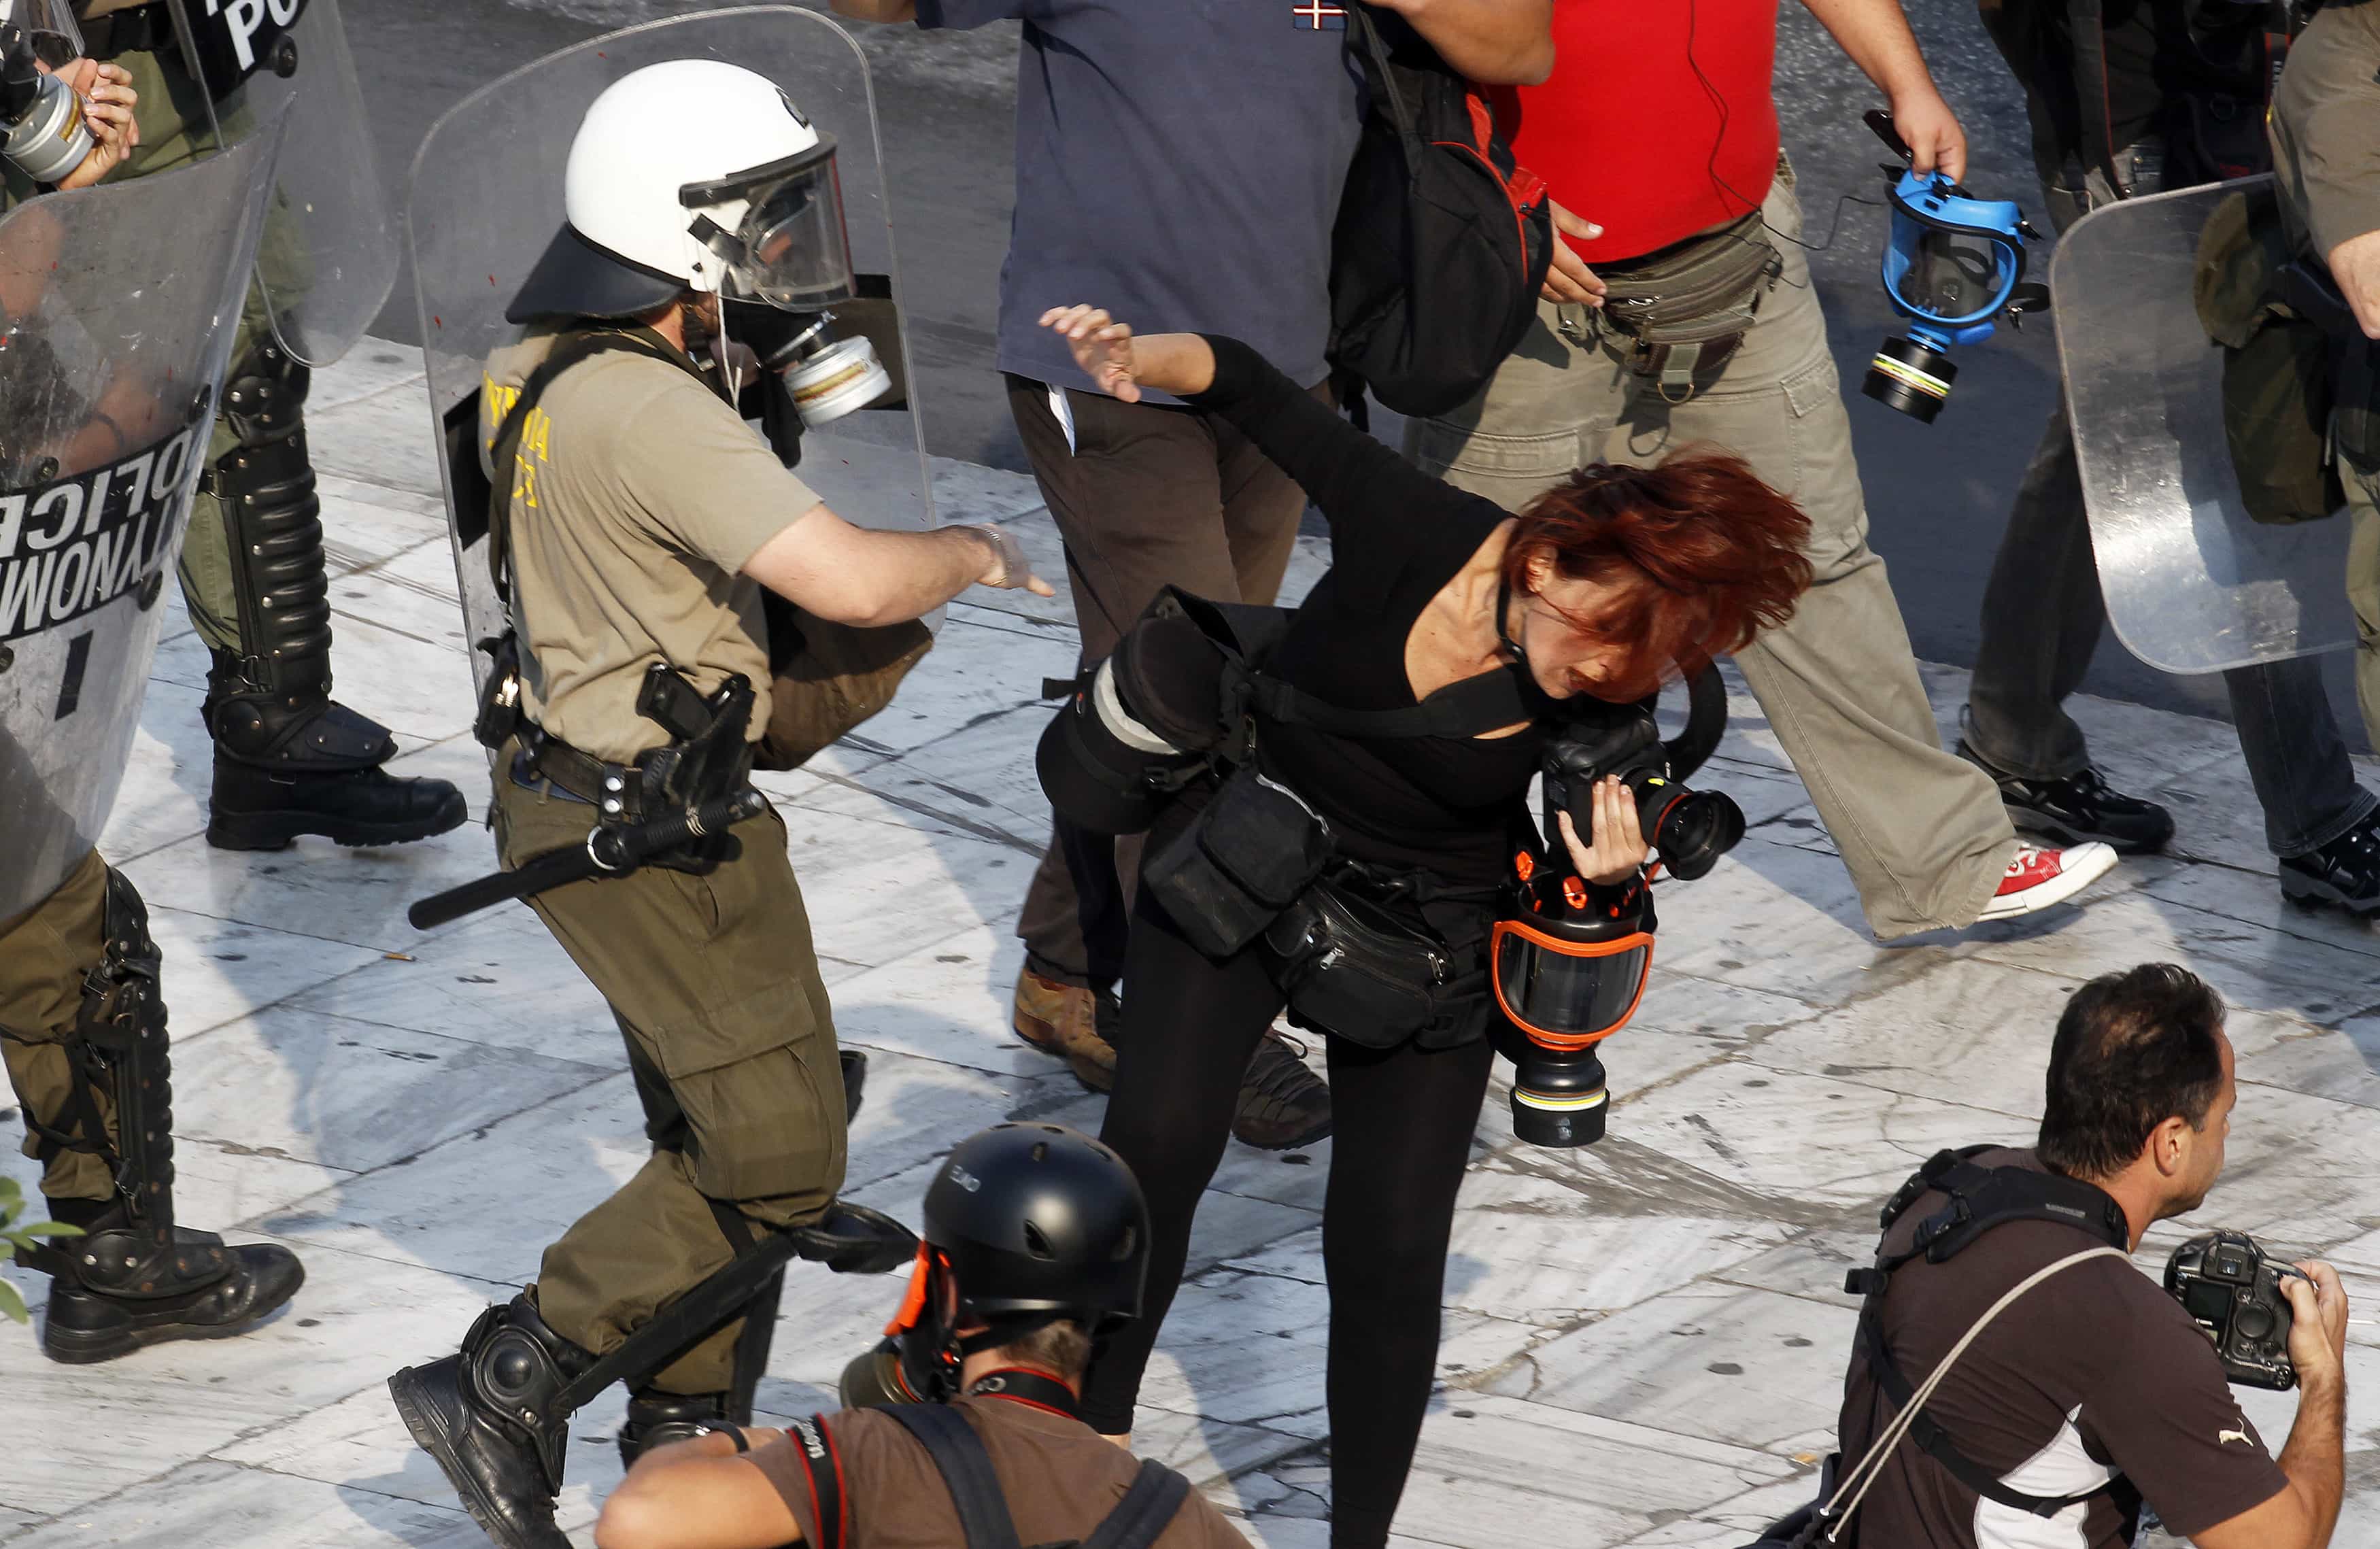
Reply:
x=1692 y=829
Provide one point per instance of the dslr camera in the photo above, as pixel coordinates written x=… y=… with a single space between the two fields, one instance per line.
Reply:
x=1690 y=829
x=2231 y=1288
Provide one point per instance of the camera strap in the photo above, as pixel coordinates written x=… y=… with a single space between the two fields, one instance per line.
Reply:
x=1870 y=1468
x=959 y=1455
x=1978 y=1199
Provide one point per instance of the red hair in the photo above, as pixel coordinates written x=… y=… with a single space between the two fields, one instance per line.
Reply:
x=1699 y=553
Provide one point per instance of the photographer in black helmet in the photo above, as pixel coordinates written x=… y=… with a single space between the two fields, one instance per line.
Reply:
x=962 y=1428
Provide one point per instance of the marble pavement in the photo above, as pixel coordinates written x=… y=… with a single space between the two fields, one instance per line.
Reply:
x=1643 y=1341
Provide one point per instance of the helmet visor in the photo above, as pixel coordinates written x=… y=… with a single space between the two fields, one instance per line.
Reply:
x=1568 y=994
x=788 y=246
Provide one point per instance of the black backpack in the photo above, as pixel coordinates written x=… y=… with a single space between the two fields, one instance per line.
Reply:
x=1442 y=243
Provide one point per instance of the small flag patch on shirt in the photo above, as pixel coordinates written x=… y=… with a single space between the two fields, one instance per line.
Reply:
x=1317 y=16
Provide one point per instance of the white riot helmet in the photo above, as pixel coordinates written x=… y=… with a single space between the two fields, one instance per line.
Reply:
x=693 y=175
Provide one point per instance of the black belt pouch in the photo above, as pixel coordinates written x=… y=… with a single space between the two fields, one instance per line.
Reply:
x=1351 y=968
x=1241 y=862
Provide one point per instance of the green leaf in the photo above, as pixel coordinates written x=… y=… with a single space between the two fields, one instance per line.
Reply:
x=12 y=1306
x=46 y=1229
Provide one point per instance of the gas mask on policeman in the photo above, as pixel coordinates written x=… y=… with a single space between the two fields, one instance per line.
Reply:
x=41 y=117
x=696 y=174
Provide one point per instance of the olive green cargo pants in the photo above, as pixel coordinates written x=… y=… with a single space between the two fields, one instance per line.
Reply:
x=173 y=133
x=44 y=952
x=715 y=986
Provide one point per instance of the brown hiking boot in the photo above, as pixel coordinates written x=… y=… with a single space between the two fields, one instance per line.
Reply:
x=1282 y=1104
x=1063 y=1020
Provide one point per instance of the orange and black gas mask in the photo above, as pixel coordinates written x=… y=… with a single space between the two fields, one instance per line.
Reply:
x=1568 y=967
x=917 y=1361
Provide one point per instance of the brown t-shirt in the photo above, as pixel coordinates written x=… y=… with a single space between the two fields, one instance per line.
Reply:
x=2094 y=1375
x=1060 y=1479
x=637 y=498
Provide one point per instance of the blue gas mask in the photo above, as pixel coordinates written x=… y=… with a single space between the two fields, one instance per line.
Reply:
x=1953 y=266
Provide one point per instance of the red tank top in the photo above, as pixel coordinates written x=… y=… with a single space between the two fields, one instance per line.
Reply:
x=1657 y=121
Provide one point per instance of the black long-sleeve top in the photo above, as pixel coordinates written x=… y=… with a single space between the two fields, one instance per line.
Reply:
x=1451 y=806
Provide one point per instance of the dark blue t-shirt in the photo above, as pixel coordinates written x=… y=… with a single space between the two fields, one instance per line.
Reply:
x=1179 y=163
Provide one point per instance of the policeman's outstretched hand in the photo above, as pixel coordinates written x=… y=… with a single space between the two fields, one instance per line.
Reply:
x=1618 y=848
x=2318 y=1321
x=1009 y=569
x=1102 y=348
x=108 y=101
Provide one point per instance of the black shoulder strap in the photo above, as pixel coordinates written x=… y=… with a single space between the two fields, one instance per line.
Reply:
x=1156 y=1494
x=959 y=1455
x=822 y=1462
x=1467 y=709
x=569 y=350
x=1979 y=1198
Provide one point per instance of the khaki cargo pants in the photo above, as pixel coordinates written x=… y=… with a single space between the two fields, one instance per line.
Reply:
x=44 y=952
x=1921 y=830
x=715 y=986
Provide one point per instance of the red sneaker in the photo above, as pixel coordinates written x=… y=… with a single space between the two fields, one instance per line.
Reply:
x=2037 y=878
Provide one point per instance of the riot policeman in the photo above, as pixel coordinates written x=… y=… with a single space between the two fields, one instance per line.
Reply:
x=2131 y=97
x=114 y=348
x=2326 y=133
x=1037 y=1240
x=636 y=520
x=288 y=759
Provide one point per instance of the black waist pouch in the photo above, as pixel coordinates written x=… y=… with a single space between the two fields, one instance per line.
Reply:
x=1350 y=967
x=1243 y=859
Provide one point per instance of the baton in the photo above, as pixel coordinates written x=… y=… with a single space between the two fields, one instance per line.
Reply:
x=612 y=852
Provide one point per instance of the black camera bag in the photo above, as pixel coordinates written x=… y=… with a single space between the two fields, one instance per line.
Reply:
x=1243 y=860
x=1441 y=243
x=1350 y=967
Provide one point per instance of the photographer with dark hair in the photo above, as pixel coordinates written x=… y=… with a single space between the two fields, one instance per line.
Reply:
x=2098 y=1391
x=1421 y=683
x=1036 y=1242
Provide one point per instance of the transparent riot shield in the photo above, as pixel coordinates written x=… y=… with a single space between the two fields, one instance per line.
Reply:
x=486 y=197
x=329 y=253
x=120 y=306
x=2192 y=585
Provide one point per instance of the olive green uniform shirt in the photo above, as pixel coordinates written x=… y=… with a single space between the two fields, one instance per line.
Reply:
x=2325 y=128
x=637 y=498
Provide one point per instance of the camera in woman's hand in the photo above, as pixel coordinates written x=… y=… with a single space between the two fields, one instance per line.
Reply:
x=1692 y=829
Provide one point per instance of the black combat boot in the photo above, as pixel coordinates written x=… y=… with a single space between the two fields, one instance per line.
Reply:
x=304 y=764
x=2076 y=808
x=288 y=760
x=119 y=1287
x=657 y=1419
x=491 y=1417
x=2345 y=873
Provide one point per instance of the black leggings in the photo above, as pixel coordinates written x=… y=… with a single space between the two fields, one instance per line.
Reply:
x=1401 y=1132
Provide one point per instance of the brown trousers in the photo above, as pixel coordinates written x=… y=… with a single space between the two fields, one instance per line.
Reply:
x=715 y=986
x=1148 y=496
x=44 y=952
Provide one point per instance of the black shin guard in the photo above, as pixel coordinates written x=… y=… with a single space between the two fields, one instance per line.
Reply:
x=270 y=705
x=134 y=1277
x=288 y=759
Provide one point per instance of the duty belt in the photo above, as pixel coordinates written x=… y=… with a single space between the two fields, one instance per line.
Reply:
x=614 y=790
x=137 y=29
